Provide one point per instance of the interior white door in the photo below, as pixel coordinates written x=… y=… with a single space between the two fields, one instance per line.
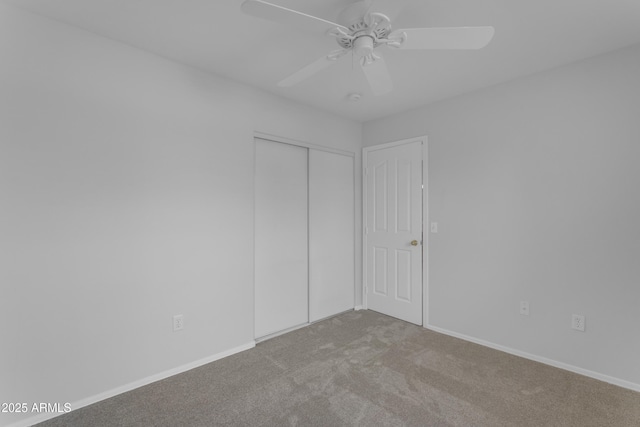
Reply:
x=281 y=249
x=331 y=234
x=393 y=231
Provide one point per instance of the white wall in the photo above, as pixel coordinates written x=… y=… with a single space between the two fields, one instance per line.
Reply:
x=535 y=185
x=126 y=191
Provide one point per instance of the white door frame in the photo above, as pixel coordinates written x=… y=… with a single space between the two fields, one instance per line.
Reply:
x=425 y=220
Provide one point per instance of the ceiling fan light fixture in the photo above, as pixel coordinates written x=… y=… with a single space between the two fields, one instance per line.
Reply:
x=363 y=46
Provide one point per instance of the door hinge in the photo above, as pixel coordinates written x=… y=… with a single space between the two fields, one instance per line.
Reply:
x=366 y=290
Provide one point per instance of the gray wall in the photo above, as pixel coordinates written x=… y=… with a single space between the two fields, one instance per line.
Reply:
x=535 y=185
x=126 y=192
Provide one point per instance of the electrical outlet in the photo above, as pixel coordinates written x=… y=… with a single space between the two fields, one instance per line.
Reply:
x=434 y=227
x=524 y=308
x=178 y=322
x=578 y=322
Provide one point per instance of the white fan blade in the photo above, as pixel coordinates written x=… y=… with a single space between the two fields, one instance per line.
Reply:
x=446 y=38
x=273 y=12
x=378 y=76
x=313 y=68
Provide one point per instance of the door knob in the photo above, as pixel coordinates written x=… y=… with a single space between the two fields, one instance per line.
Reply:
x=414 y=243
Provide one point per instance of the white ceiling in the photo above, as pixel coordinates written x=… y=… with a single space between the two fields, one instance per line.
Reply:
x=214 y=35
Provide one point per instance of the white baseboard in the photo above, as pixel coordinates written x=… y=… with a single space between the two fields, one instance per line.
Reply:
x=587 y=373
x=133 y=385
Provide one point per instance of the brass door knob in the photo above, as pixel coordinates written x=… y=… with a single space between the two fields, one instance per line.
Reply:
x=414 y=243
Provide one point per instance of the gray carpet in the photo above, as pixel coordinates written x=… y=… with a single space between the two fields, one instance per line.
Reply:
x=366 y=369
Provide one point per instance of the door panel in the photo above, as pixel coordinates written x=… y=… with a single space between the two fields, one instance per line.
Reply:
x=379 y=278
x=403 y=275
x=393 y=220
x=380 y=197
x=403 y=208
x=331 y=234
x=281 y=257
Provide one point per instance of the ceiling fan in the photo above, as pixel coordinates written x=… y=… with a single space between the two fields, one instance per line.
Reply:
x=362 y=32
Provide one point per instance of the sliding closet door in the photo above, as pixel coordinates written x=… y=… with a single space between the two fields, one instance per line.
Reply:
x=281 y=227
x=331 y=234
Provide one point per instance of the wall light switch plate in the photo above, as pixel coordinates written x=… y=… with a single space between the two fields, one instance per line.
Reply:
x=434 y=227
x=524 y=308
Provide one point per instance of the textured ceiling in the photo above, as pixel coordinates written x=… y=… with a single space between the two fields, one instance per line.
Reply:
x=217 y=37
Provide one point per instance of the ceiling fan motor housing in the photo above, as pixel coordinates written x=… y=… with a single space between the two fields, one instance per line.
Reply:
x=365 y=28
x=363 y=46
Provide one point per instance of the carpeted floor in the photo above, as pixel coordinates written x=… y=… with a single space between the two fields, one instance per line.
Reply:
x=366 y=369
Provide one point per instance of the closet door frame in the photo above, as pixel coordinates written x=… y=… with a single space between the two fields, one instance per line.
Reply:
x=284 y=140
